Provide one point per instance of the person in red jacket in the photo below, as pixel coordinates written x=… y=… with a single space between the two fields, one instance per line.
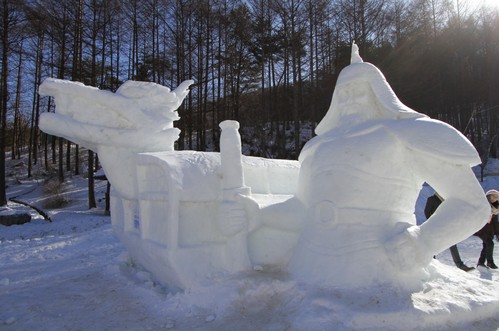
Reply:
x=488 y=232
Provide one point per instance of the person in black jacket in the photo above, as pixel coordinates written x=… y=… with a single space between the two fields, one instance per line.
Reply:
x=432 y=204
x=488 y=232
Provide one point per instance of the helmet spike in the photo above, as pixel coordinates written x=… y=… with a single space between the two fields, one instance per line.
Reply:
x=355 y=57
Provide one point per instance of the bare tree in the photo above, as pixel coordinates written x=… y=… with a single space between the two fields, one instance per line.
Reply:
x=10 y=36
x=17 y=132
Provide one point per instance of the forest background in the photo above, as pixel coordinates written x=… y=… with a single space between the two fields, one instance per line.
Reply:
x=269 y=64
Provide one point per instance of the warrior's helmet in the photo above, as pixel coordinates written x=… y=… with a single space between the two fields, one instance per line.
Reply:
x=360 y=78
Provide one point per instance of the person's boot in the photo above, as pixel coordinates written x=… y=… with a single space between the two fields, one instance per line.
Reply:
x=481 y=263
x=491 y=265
x=464 y=267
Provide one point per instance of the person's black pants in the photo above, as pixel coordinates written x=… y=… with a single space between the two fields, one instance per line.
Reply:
x=487 y=253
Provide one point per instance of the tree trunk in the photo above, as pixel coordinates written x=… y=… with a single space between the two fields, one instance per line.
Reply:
x=4 y=96
x=91 y=186
x=16 y=129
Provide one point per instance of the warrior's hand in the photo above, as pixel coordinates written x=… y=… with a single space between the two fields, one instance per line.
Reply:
x=404 y=248
x=252 y=209
x=231 y=218
x=236 y=216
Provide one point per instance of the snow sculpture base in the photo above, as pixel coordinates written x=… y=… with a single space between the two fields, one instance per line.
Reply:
x=449 y=300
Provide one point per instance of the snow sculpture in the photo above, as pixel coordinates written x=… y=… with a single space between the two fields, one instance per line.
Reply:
x=114 y=124
x=177 y=212
x=359 y=181
x=343 y=215
x=233 y=185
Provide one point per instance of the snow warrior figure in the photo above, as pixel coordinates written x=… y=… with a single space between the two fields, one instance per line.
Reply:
x=359 y=181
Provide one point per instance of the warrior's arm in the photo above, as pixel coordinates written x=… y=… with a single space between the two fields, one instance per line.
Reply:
x=441 y=156
x=286 y=215
x=464 y=209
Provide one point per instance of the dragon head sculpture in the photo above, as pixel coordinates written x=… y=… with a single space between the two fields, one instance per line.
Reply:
x=137 y=118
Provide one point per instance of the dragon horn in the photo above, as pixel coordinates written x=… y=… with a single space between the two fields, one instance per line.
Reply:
x=183 y=89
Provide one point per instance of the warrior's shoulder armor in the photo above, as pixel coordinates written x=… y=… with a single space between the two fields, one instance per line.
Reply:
x=436 y=138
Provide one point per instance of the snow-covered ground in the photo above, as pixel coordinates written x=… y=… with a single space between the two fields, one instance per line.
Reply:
x=74 y=274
